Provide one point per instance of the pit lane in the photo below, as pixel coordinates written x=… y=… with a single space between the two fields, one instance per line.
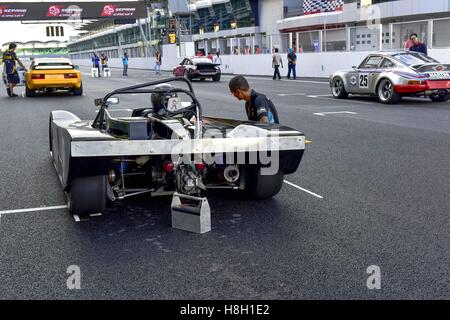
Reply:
x=382 y=172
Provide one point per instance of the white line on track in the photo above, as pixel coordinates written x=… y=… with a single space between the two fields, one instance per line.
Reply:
x=32 y=209
x=327 y=97
x=335 y=112
x=291 y=94
x=305 y=190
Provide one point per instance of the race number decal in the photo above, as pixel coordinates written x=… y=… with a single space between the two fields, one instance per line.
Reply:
x=364 y=80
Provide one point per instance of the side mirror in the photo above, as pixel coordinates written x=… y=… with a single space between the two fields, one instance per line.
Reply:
x=76 y=67
x=98 y=102
x=354 y=67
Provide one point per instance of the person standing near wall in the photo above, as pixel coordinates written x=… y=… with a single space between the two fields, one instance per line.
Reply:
x=417 y=46
x=217 y=59
x=96 y=63
x=158 y=62
x=125 y=64
x=104 y=61
x=292 y=62
x=12 y=76
x=276 y=62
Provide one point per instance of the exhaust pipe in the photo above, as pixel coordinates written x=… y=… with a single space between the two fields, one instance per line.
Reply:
x=231 y=173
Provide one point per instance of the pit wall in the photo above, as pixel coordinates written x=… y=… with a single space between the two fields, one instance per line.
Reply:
x=315 y=65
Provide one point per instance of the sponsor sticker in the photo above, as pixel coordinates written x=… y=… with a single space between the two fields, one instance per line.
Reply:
x=353 y=81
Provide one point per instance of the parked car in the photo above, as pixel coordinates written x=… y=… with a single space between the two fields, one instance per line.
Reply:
x=393 y=75
x=51 y=74
x=197 y=68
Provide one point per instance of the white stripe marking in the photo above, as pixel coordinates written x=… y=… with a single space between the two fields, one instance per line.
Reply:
x=32 y=209
x=327 y=97
x=300 y=188
x=291 y=94
x=336 y=112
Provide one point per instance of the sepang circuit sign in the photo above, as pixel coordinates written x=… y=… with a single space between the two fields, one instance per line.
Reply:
x=71 y=10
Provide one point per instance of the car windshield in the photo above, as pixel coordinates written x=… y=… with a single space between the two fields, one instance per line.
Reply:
x=412 y=59
x=52 y=65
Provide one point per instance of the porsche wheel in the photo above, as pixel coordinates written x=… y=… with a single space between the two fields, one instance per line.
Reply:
x=338 y=89
x=261 y=186
x=386 y=93
x=29 y=93
x=440 y=97
x=79 y=91
x=87 y=195
x=216 y=78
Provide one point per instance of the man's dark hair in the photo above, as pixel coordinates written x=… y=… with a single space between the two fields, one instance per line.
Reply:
x=276 y=49
x=238 y=82
x=414 y=35
x=12 y=45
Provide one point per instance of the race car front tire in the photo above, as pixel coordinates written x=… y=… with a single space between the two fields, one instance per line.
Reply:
x=29 y=93
x=386 y=93
x=79 y=91
x=87 y=195
x=440 y=97
x=216 y=78
x=338 y=89
x=260 y=186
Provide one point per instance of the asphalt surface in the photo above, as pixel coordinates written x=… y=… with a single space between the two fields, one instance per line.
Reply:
x=382 y=172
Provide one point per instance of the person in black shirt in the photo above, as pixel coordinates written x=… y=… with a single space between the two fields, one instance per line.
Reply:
x=9 y=59
x=257 y=105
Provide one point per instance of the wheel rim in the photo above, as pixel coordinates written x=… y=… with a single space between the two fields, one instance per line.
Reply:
x=337 y=88
x=386 y=90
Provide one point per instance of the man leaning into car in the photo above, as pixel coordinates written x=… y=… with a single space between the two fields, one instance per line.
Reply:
x=258 y=106
x=12 y=76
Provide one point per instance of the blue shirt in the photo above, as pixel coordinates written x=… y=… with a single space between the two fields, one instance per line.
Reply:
x=125 y=60
x=419 y=48
x=9 y=59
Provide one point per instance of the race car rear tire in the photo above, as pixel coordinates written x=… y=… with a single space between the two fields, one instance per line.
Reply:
x=440 y=97
x=259 y=186
x=29 y=93
x=87 y=195
x=338 y=89
x=386 y=93
x=79 y=91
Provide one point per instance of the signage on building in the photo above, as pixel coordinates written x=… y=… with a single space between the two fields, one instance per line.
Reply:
x=172 y=37
x=320 y=6
x=10 y=11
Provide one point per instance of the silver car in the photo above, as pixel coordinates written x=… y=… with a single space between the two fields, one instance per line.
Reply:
x=393 y=75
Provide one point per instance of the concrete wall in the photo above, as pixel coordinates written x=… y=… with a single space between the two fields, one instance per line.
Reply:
x=270 y=11
x=309 y=64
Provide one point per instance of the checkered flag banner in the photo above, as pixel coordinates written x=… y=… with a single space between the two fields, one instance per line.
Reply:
x=319 y=6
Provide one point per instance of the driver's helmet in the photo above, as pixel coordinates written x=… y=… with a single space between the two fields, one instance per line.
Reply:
x=161 y=99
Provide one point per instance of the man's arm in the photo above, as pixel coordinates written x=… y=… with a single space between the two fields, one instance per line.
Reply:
x=20 y=62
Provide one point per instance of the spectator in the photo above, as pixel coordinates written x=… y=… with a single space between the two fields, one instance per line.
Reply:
x=292 y=61
x=104 y=61
x=125 y=64
x=276 y=62
x=417 y=46
x=210 y=57
x=96 y=63
x=158 y=61
x=217 y=59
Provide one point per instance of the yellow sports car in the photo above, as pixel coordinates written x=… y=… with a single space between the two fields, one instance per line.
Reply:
x=51 y=74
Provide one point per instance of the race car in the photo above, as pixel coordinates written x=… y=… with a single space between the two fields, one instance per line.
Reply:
x=197 y=68
x=393 y=75
x=167 y=148
x=51 y=74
